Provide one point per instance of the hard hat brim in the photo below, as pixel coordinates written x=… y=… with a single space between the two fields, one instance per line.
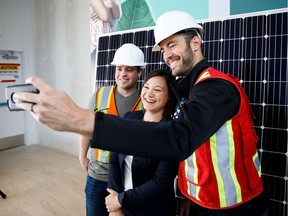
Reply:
x=156 y=48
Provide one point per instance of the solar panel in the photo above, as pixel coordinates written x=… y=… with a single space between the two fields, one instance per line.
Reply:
x=252 y=48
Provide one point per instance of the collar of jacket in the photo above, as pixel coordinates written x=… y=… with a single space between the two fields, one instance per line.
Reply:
x=182 y=86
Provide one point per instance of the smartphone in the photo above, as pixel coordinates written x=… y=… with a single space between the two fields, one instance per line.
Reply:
x=10 y=90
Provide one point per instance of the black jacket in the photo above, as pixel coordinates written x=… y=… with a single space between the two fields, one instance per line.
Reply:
x=153 y=183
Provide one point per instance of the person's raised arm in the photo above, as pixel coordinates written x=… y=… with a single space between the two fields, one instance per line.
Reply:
x=101 y=10
x=114 y=8
x=56 y=109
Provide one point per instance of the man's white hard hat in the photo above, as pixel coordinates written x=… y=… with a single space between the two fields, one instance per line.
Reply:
x=130 y=55
x=172 y=22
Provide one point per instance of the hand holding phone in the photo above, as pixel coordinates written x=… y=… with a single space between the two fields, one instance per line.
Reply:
x=10 y=90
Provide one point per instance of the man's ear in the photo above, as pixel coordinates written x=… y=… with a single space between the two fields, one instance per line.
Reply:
x=195 y=43
x=140 y=72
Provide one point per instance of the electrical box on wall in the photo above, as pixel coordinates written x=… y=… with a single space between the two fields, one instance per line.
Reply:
x=12 y=123
x=10 y=70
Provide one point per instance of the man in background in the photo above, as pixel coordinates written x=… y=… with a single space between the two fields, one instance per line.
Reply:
x=116 y=100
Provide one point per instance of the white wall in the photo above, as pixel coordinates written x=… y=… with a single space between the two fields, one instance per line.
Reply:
x=16 y=34
x=63 y=57
x=54 y=37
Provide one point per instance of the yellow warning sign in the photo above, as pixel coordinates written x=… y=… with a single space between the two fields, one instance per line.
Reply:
x=9 y=68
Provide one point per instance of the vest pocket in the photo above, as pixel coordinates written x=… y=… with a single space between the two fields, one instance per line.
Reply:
x=196 y=167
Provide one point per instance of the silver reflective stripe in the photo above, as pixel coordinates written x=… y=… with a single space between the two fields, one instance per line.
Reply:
x=192 y=175
x=257 y=163
x=223 y=164
x=103 y=105
x=104 y=156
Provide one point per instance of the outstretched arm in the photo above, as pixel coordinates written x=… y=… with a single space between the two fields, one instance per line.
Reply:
x=56 y=109
x=173 y=140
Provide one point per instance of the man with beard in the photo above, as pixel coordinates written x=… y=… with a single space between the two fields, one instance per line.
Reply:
x=212 y=134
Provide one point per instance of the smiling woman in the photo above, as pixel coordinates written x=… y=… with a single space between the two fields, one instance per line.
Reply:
x=156 y=95
x=148 y=183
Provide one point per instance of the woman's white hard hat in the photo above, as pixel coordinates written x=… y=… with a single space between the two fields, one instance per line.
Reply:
x=172 y=22
x=130 y=55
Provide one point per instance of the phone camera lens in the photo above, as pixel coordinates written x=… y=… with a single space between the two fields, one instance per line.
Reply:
x=14 y=99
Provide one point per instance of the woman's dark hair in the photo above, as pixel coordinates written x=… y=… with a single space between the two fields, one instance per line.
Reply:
x=167 y=75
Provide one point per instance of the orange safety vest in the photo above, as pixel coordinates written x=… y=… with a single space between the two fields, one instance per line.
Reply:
x=224 y=171
x=105 y=102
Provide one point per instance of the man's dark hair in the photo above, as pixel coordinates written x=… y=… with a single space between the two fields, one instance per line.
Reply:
x=189 y=34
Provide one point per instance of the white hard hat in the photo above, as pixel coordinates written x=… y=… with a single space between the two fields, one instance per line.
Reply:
x=172 y=22
x=130 y=55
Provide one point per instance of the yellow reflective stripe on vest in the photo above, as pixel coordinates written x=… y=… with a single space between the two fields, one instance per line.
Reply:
x=103 y=99
x=203 y=75
x=139 y=105
x=223 y=149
